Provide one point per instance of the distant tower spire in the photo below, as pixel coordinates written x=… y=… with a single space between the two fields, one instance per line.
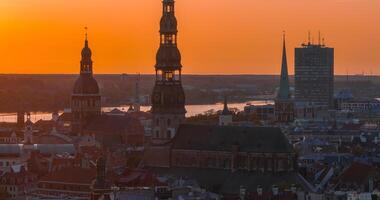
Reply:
x=86 y=62
x=136 y=106
x=283 y=92
x=85 y=28
x=309 y=38
x=225 y=111
x=225 y=118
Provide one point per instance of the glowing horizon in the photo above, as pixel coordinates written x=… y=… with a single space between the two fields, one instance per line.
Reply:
x=217 y=37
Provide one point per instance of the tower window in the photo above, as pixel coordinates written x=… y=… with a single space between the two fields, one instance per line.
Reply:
x=169 y=76
x=168 y=134
x=157 y=133
x=168 y=8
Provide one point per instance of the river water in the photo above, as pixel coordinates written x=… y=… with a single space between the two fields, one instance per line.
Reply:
x=192 y=110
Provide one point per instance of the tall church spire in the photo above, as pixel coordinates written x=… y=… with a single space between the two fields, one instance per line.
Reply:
x=86 y=61
x=283 y=92
x=85 y=99
x=168 y=98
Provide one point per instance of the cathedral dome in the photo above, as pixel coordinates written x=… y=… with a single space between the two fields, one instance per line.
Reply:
x=168 y=56
x=86 y=84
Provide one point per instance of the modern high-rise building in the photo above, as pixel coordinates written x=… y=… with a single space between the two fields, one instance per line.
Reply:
x=314 y=74
x=168 y=97
x=85 y=99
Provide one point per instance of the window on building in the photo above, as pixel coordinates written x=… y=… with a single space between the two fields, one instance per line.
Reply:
x=157 y=133
x=168 y=134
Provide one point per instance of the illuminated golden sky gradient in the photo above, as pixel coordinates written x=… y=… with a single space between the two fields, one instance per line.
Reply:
x=215 y=36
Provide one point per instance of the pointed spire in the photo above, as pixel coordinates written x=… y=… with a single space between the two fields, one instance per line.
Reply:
x=86 y=62
x=85 y=35
x=226 y=111
x=283 y=92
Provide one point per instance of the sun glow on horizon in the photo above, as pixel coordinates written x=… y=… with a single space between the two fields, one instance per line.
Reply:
x=215 y=37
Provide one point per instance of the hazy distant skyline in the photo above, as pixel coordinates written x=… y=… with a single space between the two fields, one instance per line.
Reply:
x=215 y=36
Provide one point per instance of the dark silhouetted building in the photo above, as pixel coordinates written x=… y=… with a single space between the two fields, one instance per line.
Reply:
x=85 y=99
x=168 y=98
x=314 y=74
x=284 y=105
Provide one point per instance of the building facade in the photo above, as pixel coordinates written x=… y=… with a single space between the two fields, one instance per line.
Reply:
x=85 y=99
x=168 y=98
x=284 y=105
x=314 y=74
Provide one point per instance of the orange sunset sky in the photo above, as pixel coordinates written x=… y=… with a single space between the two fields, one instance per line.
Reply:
x=215 y=36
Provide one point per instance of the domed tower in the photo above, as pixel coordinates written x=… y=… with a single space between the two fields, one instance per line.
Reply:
x=85 y=99
x=168 y=98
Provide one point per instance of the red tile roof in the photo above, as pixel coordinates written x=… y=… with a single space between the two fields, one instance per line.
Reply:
x=356 y=173
x=139 y=178
x=18 y=178
x=71 y=175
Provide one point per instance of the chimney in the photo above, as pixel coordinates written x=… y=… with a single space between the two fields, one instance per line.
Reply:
x=293 y=188
x=259 y=190
x=275 y=190
x=242 y=192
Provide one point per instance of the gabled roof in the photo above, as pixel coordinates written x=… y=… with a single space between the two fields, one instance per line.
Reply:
x=357 y=173
x=19 y=177
x=71 y=175
x=223 y=138
x=66 y=116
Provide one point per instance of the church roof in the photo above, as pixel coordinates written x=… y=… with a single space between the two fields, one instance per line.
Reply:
x=223 y=138
x=111 y=129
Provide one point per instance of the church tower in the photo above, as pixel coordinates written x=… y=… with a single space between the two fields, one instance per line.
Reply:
x=85 y=99
x=225 y=118
x=284 y=106
x=168 y=98
x=28 y=132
